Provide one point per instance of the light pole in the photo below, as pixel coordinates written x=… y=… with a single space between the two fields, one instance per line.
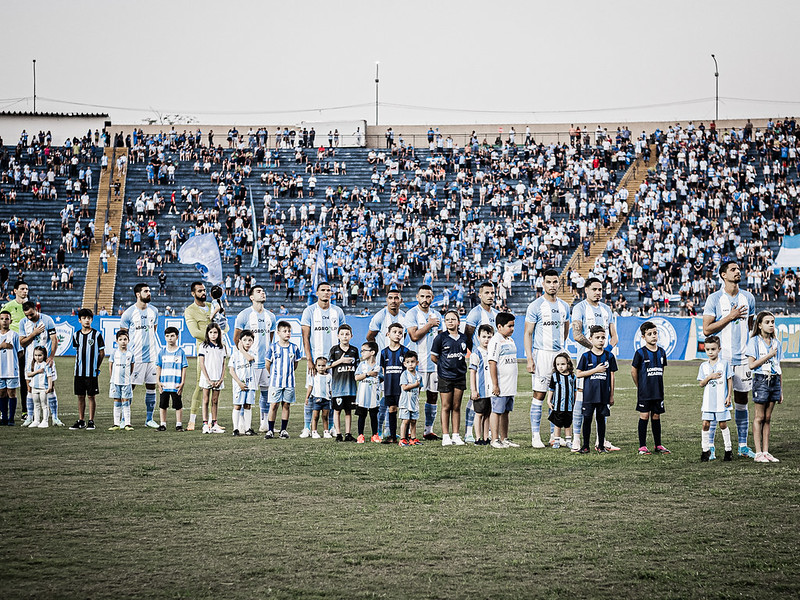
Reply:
x=377 y=80
x=716 y=78
x=34 y=86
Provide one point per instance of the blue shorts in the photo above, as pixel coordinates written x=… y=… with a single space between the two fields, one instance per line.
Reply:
x=242 y=397
x=120 y=392
x=766 y=388
x=316 y=403
x=719 y=417
x=502 y=404
x=10 y=383
x=281 y=395
x=406 y=414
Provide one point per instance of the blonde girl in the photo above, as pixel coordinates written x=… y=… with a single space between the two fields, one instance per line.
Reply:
x=211 y=357
x=764 y=353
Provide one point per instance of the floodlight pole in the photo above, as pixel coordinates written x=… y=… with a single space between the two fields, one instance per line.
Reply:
x=377 y=81
x=34 y=86
x=716 y=77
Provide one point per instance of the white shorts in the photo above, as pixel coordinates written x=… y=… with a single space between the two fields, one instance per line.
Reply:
x=261 y=379
x=543 y=369
x=742 y=378
x=430 y=382
x=144 y=373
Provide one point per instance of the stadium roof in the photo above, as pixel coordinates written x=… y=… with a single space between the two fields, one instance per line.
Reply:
x=51 y=114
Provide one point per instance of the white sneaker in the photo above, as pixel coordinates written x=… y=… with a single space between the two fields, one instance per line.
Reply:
x=27 y=422
x=33 y=424
x=769 y=456
x=217 y=429
x=44 y=424
x=446 y=441
x=610 y=447
x=314 y=435
x=576 y=445
x=469 y=438
x=151 y=424
x=509 y=444
x=327 y=434
x=306 y=433
x=536 y=442
x=761 y=458
x=497 y=444
x=457 y=441
x=206 y=428
x=332 y=432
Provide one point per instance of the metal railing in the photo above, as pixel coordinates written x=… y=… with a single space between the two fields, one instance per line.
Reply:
x=111 y=170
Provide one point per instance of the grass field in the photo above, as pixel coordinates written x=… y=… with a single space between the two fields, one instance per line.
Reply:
x=167 y=515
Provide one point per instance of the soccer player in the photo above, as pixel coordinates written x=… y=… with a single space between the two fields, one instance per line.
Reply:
x=14 y=307
x=171 y=366
x=281 y=362
x=391 y=361
x=378 y=332
x=89 y=353
x=38 y=329
x=716 y=377
x=423 y=326
x=483 y=314
x=546 y=331
x=261 y=322
x=647 y=371
x=320 y=326
x=598 y=368
x=198 y=315
x=244 y=384
x=141 y=320
x=9 y=369
x=503 y=374
x=729 y=314
x=585 y=314
x=449 y=352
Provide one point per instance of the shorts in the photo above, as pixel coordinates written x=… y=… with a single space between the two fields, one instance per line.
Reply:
x=719 y=417
x=345 y=403
x=206 y=384
x=261 y=379
x=391 y=400
x=482 y=406
x=561 y=418
x=284 y=395
x=85 y=386
x=588 y=410
x=502 y=404
x=242 y=397
x=447 y=385
x=144 y=373
x=10 y=383
x=408 y=415
x=652 y=406
x=766 y=388
x=742 y=378
x=543 y=369
x=120 y=392
x=175 y=397
x=430 y=382
x=320 y=404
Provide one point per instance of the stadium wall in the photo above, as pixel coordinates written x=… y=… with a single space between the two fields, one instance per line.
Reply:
x=60 y=125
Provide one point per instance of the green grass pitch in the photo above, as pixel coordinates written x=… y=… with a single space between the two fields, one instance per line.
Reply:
x=168 y=515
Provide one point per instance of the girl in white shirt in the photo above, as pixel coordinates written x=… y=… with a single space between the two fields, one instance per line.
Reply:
x=211 y=357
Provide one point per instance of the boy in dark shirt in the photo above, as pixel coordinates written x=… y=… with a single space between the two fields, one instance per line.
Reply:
x=597 y=367
x=647 y=371
x=343 y=359
x=391 y=362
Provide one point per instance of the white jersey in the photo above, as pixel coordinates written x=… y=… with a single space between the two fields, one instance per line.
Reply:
x=121 y=369
x=733 y=338
x=416 y=318
x=380 y=322
x=716 y=390
x=262 y=324
x=480 y=316
x=243 y=369
x=9 y=365
x=589 y=316
x=503 y=351
x=549 y=319
x=141 y=326
x=324 y=324
x=26 y=327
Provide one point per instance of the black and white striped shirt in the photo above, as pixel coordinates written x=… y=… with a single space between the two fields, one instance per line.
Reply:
x=87 y=352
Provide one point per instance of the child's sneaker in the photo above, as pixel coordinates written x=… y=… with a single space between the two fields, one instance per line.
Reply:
x=469 y=438
x=536 y=441
x=704 y=455
x=611 y=447
x=128 y=428
x=250 y=432
x=499 y=445
x=217 y=428
x=57 y=422
x=509 y=444
x=416 y=442
x=456 y=440
x=446 y=441
x=760 y=458
x=164 y=428
x=90 y=425
x=728 y=456
x=284 y=434
x=190 y=426
x=305 y=433
x=643 y=451
x=584 y=450
x=556 y=444
x=339 y=437
x=712 y=453
x=179 y=428
x=404 y=443
x=748 y=452
x=78 y=425
x=326 y=434
x=314 y=435
x=206 y=428
x=152 y=424
x=375 y=439
x=769 y=456
x=236 y=433
x=348 y=437
x=661 y=450
x=269 y=435
x=360 y=439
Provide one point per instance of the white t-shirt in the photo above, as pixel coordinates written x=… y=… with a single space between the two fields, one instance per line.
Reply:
x=503 y=351
x=214 y=358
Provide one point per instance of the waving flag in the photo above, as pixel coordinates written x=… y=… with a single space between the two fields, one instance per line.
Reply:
x=319 y=273
x=789 y=254
x=202 y=251
x=256 y=236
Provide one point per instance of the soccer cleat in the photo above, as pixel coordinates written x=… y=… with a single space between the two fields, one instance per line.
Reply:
x=27 y=422
x=728 y=456
x=236 y=433
x=748 y=452
x=415 y=442
x=162 y=428
x=536 y=441
x=431 y=437
x=114 y=428
x=326 y=434
x=269 y=435
x=206 y=428
x=348 y=437
x=404 y=443
x=57 y=422
x=509 y=444
x=152 y=424
x=713 y=453
x=456 y=440
x=190 y=426
x=469 y=438
x=704 y=455
x=305 y=433
x=179 y=428
x=375 y=439
x=314 y=435
x=339 y=437
x=661 y=450
x=769 y=456
x=360 y=439
x=498 y=444
x=643 y=451
x=611 y=447
x=446 y=441
x=284 y=434
x=90 y=425
x=250 y=432
x=78 y=425
x=128 y=428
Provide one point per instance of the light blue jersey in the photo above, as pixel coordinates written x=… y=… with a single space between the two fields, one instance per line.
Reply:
x=716 y=390
x=409 y=399
x=9 y=365
x=733 y=338
x=262 y=324
x=121 y=367
x=141 y=326
x=282 y=360
x=369 y=389
x=549 y=319
x=172 y=364
x=479 y=362
x=479 y=316
x=324 y=324
x=758 y=348
x=589 y=316
x=416 y=318
x=41 y=381
x=243 y=369
x=26 y=327
x=380 y=323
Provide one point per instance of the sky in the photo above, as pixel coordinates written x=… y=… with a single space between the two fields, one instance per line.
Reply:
x=252 y=62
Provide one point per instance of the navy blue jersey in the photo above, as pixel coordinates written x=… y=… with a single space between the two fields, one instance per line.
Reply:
x=343 y=376
x=392 y=365
x=650 y=365
x=452 y=353
x=597 y=387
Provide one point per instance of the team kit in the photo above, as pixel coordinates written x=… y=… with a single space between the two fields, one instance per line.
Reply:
x=382 y=380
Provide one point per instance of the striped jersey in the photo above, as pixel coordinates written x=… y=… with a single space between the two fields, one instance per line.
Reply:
x=172 y=364
x=409 y=399
x=589 y=316
x=563 y=388
x=549 y=319
x=758 y=348
x=716 y=390
x=503 y=351
x=121 y=366
x=733 y=338
x=369 y=389
x=9 y=364
x=417 y=318
x=26 y=327
x=479 y=316
x=479 y=362
x=324 y=324
x=321 y=386
x=262 y=324
x=380 y=322
x=87 y=352
x=391 y=362
x=41 y=381
x=243 y=369
x=343 y=382
x=141 y=326
x=282 y=362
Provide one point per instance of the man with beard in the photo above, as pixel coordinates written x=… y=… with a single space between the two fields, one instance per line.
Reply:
x=198 y=315
x=38 y=329
x=423 y=327
x=141 y=320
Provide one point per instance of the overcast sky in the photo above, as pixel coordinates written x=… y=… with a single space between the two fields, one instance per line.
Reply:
x=229 y=61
